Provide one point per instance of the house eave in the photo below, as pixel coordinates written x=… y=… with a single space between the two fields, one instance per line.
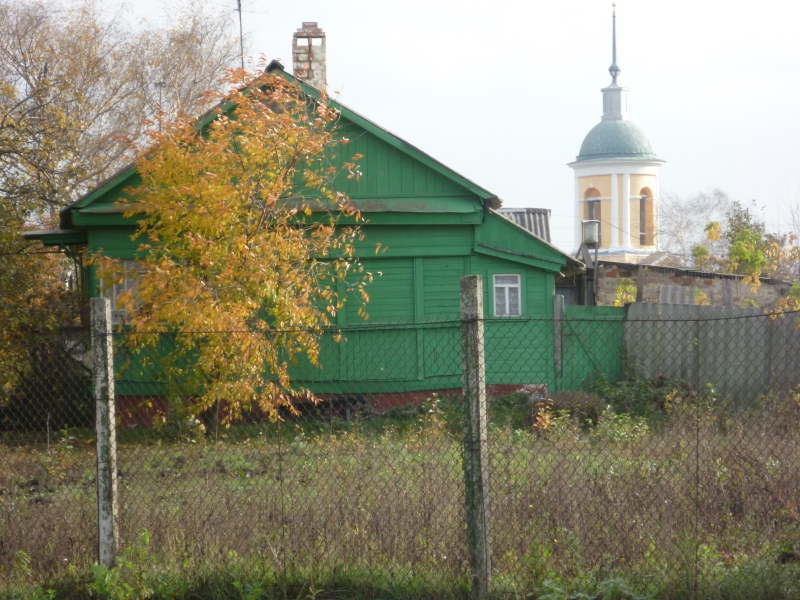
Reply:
x=58 y=237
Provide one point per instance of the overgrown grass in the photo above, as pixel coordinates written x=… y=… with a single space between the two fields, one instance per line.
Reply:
x=642 y=489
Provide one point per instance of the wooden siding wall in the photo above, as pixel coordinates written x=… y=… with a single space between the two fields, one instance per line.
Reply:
x=416 y=278
x=386 y=171
x=426 y=288
x=500 y=232
x=415 y=240
x=115 y=242
x=390 y=353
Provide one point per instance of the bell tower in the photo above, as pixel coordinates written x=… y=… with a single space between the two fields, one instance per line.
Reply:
x=616 y=176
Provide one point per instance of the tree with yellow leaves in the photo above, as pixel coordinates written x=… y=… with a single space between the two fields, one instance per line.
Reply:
x=743 y=246
x=241 y=247
x=625 y=292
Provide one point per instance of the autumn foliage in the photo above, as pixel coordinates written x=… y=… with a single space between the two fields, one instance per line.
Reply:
x=241 y=251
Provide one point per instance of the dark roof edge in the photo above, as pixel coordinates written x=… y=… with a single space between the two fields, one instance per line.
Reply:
x=688 y=272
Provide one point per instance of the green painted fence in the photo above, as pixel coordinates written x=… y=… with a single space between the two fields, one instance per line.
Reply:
x=592 y=343
x=399 y=357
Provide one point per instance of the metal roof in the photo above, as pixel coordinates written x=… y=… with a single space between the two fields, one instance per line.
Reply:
x=535 y=220
x=615 y=139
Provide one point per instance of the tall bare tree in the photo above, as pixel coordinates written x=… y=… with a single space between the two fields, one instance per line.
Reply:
x=79 y=89
x=682 y=221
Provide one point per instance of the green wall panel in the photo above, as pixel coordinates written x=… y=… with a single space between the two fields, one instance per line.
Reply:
x=386 y=171
x=328 y=367
x=391 y=292
x=592 y=344
x=499 y=232
x=441 y=283
x=420 y=240
x=442 y=351
x=382 y=355
x=115 y=242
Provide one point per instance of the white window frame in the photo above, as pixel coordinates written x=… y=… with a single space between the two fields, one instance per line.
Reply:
x=120 y=316
x=506 y=287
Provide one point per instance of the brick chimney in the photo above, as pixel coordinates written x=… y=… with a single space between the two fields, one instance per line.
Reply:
x=308 y=54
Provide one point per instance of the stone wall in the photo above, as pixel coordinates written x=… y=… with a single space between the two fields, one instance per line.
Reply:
x=721 y=290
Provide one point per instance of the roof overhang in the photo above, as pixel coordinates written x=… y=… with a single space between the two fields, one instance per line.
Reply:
x=58 y=237
x=616 y=162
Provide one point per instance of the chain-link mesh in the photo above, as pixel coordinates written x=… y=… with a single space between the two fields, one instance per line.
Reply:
x=666 y=456
x=48 y=510
x=653 y=451
x=361 y=481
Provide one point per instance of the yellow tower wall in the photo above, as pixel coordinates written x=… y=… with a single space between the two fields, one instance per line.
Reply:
x=635 y=224
x=638 y=183
x=601 y=183
x=618 y=235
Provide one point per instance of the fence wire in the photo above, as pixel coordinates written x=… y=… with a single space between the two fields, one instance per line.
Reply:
x=646 y=452
x=47 y=457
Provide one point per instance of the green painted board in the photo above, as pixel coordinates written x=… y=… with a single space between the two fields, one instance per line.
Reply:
x=499 y=232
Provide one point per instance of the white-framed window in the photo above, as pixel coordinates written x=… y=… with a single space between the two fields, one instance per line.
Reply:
x=118 y=314
x=507 y=297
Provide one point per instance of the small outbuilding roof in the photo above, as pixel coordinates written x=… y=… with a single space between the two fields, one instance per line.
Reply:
x=535 y=220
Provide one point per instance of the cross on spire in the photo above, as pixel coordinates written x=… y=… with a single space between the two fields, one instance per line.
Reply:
x=614 y=69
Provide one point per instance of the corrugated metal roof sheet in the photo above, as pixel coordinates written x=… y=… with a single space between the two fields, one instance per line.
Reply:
x=535 y=220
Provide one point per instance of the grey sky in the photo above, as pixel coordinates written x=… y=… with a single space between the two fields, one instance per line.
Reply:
x=504 y=91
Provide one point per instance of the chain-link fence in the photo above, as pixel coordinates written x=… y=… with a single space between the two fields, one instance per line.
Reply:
x=654 y=450
x=47 y=457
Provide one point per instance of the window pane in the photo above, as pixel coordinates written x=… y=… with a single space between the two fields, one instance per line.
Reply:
x=500 y=301
x=506 y=279
x=513 y=300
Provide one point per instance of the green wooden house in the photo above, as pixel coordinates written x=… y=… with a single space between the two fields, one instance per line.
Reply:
x=437 y=226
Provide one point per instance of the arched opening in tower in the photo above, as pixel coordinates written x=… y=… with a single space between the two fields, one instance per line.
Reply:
x=594 y=210
x=646 y=218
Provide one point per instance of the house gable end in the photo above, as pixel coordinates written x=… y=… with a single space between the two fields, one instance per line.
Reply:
x=394 y=180
x=395 y=177
x=497 y=236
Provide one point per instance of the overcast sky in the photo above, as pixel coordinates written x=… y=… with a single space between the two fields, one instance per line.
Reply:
x=505 y=91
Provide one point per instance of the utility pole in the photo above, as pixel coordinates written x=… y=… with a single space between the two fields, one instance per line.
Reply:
x=241 y=38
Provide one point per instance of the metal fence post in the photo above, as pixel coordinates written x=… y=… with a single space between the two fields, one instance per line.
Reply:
x=103 y=380
x=476 y=457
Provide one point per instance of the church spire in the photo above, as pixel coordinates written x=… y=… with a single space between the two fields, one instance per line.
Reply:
x=615 y=98
x=614 y=69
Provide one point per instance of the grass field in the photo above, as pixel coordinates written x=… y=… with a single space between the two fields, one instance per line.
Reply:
x=671 y=496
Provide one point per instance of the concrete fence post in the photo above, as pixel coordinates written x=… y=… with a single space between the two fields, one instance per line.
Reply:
x=558 y=333
x=476 y=456
x=103 y=379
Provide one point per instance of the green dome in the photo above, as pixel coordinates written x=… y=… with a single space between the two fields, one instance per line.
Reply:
x=615 y=138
